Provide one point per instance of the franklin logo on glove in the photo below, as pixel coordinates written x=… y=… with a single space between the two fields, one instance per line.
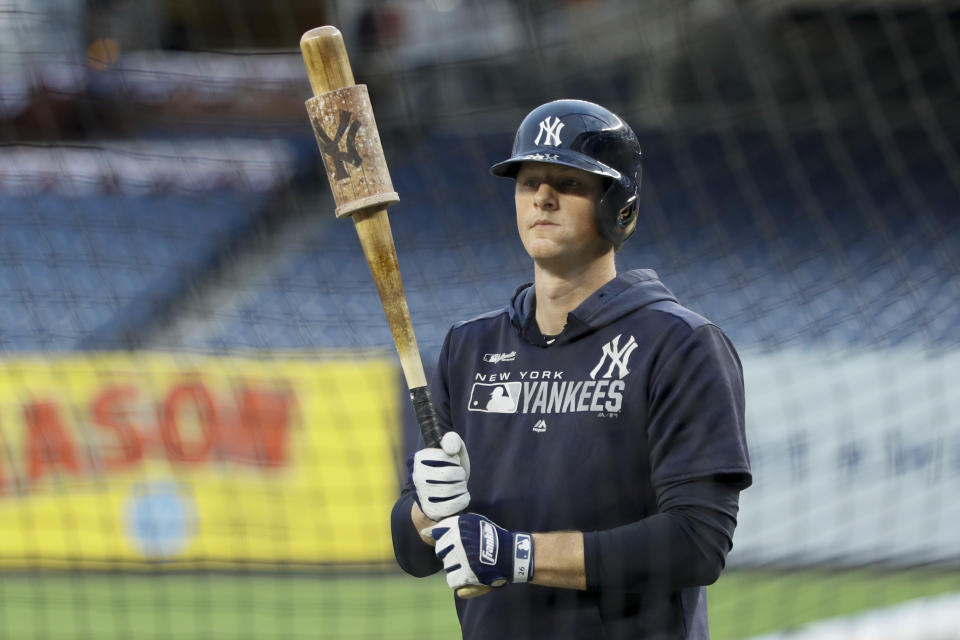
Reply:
x=488 y=552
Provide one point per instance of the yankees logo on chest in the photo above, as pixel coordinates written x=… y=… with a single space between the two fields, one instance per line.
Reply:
x=555 y=391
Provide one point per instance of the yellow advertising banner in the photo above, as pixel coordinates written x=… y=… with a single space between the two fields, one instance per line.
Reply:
x=115 y=460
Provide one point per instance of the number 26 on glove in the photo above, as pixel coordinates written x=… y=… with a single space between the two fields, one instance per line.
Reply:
x=474 y=550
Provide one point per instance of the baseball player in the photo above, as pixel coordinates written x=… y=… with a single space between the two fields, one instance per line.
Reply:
x=595 y=446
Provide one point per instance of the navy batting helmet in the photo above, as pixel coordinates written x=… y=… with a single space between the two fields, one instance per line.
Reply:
x=586 y=136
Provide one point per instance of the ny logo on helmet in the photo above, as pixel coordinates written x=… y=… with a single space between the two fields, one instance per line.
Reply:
x=551 y=129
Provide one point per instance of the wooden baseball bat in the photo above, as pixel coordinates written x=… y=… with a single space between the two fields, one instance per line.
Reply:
x=342 y=119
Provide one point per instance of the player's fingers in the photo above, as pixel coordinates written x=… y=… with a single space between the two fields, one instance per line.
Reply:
x=454 y=446
x=442 y=472
x=465 y=461
x=433 y=532
x=442 y=553
x=451 y=443
x=458 y=569
x=441 y=510
x=459 y=578
x=443 y=492
x=435 y=458
x=445 y=475
x=437 y=510
x=446 y=527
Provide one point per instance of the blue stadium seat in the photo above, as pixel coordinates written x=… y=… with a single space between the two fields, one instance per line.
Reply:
x=813 y=240
x=75 y=264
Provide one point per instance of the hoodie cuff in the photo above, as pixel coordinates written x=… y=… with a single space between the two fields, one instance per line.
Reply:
x=592 y=560
x=413 y=555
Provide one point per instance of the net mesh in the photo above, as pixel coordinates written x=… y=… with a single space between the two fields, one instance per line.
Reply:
x=194 y=360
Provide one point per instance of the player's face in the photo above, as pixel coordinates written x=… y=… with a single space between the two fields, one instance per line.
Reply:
x=555 y=214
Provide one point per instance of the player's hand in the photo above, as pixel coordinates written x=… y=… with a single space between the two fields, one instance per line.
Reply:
x=440 y=475
x=476 y=551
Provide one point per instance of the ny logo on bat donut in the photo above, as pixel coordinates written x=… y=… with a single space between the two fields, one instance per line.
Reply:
x=331 y=146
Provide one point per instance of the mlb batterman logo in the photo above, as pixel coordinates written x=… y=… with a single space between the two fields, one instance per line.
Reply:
x=496 y=358
x=523 y=546
x=495 y=398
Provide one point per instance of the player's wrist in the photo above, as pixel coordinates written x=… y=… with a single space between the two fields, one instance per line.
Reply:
x=421 y=522
x=522 y=557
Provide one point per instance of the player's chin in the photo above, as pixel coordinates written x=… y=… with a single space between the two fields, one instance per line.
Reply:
x=541 y=250
x=544 y=244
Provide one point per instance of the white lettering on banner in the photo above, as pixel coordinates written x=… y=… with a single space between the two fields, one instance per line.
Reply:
x=876 y=467
x=619 y=357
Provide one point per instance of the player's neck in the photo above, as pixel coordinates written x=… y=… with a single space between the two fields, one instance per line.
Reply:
x=560 y=292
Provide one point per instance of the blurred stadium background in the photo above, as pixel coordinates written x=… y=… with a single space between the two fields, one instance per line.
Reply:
x=191 y=346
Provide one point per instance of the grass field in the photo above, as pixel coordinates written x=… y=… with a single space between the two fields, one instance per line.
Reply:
x=258 y=607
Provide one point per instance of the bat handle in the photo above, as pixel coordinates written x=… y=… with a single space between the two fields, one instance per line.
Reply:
x=430 y=429
x=426 y=416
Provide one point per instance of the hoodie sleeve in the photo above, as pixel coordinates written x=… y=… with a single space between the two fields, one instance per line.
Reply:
x=684 y=545
x=413 y=555
x=698 y=466
x=695 y=426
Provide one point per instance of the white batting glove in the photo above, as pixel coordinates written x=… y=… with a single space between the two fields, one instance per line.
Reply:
x=440 y=476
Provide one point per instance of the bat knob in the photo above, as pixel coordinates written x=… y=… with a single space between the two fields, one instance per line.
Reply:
x=472 y=591
x=327 y=31
x=325 y=57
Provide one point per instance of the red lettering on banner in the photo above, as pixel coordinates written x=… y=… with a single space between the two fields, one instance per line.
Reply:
x=192 y=395
x=47 y=442
x=193 y=427
x=264 y=420
x=110 y=410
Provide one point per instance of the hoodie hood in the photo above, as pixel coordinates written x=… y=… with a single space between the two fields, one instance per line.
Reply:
x=621 y=296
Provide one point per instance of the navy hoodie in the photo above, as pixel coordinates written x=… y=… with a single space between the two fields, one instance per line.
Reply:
x=601 y=429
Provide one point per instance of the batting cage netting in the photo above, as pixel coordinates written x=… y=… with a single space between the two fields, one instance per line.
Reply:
x=203 y=422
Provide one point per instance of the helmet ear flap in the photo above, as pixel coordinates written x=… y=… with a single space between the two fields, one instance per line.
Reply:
x=617 y=211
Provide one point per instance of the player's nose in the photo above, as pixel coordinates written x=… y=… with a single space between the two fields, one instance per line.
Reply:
x=545 y=197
